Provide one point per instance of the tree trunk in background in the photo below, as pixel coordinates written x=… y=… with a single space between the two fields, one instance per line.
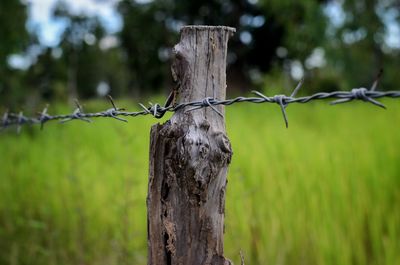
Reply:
x=72 y=77
x=189 y=157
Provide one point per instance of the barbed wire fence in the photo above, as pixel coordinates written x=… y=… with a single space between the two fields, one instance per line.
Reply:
x=158 y=111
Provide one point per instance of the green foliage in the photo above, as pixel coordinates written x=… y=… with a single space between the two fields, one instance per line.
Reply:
x=163 y=19
x=13 y=39
x=303 y=22
x=142 y=38
x=14 y=36
x=358 y=49
x=353 y=50
x=325 y=191
x=86 y=64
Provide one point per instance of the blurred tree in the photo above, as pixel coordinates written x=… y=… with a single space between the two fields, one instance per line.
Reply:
x=359 y=48
x=14 y=35
x=80 y=61
x=143 y=38
x=148 y=49
x=303 y=22
x=78 y=50
x=13 y=39
x=273 y=36
x=46 y=78
x=262 y=28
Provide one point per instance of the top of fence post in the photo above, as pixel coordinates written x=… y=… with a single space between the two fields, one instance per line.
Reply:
x=200 y=67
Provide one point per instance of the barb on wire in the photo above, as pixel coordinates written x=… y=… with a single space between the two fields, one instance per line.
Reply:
x=377 y=79
x=154 y=110
x=44 y=117
x=114 y=111
x=76 y=115
x=145 y=109
x=281 y=100
x=361 y=93
x=158 y=111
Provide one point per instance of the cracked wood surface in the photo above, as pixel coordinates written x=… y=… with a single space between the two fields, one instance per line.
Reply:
x=189 y=157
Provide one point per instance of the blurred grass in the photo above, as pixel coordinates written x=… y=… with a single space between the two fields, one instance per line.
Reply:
x=326 y=191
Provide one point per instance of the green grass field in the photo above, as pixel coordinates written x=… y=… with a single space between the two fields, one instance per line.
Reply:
x=324 y=191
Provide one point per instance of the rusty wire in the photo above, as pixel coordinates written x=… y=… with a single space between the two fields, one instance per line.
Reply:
x=158 y=111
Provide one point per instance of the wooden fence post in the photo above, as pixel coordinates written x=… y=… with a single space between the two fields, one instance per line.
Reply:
x=189 y=157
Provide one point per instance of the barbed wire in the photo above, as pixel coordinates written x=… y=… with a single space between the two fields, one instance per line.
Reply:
x=158 y=111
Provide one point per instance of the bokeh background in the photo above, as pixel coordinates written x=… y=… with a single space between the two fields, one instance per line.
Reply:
x=326 y=191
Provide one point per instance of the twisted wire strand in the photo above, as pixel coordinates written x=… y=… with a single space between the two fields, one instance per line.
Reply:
x=158 y=111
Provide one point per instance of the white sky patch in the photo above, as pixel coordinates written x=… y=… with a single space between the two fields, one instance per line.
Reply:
x=39 y=10
x=102 y=89
x=89 y=39
x=351 y=37
x=18 y=61
x=253 y=2
x=50 y=32
x=253 y=21
x=296 y=70
x=105 y=10
x=143 y=1
x=24 y=61
x=390 y=19
x=393 y=36
x=245 y=37
x=316 y=59
x=49 y=29
x=389 y=16
x=334 y=11
x=108 y=42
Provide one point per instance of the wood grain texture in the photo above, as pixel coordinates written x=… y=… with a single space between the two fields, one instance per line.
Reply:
x=189 y=157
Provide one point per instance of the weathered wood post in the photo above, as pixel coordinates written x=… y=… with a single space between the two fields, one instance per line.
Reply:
x=189 y=157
